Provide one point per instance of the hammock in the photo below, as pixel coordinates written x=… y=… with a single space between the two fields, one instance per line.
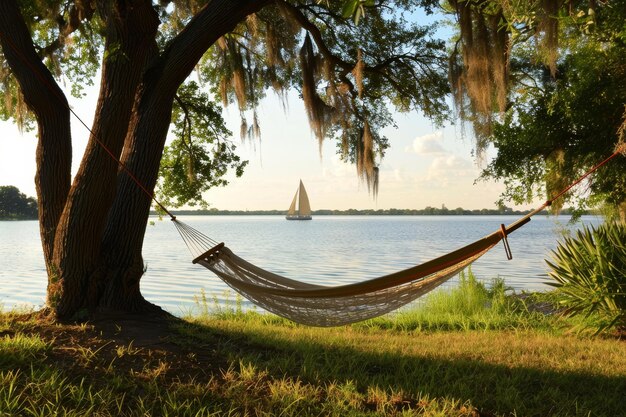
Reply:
x=318 y=305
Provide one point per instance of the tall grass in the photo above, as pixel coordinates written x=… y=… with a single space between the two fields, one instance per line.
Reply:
x=21 y=348
x=471 y=305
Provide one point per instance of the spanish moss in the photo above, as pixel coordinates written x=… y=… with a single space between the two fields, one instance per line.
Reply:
x=358 y=73
x=239 y=85
x=549 y=26
x=366 y=167
x=243 y=128
x=482 y=73
x=500 y=59
x=224 y=83
x=318 y=112
x=556 y=177
x=256 y=128
x=272 y=47
x=253 y=24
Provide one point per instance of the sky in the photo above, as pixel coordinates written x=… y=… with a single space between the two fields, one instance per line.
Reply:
x=425 y=165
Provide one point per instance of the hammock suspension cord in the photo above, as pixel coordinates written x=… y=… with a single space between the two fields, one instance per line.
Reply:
x=315 y=304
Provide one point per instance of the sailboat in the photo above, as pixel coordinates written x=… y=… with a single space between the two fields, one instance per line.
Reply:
x=300 y=209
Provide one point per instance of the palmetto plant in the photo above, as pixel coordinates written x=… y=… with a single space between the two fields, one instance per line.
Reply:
x=590 y=274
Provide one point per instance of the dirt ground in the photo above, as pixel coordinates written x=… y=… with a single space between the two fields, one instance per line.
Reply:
x=133 y=344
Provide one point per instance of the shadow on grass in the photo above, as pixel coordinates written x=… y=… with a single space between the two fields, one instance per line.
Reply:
x=492 y=388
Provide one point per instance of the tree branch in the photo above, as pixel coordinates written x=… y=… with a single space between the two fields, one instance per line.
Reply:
x=307 y=25
x=67 y=27
x=181 y=56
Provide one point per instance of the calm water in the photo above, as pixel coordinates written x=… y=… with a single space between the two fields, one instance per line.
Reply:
x=330 y=250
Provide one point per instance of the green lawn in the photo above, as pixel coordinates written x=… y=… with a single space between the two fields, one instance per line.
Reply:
x=228 y=362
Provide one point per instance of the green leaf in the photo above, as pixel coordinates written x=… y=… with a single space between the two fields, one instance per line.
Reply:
x=349 y=8
x=590 y=275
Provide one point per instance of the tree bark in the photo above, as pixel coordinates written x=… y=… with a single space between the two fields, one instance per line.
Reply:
x=46 y=100
x=130 y=32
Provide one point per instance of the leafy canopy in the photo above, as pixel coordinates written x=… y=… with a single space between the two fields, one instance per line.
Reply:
x=544 y=85
x=350 y=76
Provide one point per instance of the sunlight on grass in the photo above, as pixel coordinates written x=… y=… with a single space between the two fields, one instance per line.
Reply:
x=470 y=337
x=472 y=305
x=21 y=348
x=475 y=349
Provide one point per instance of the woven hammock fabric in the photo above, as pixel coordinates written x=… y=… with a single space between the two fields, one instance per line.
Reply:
x=318 y=305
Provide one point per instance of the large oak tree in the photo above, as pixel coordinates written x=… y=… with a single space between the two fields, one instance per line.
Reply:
x=349 y=76
x=543 y=82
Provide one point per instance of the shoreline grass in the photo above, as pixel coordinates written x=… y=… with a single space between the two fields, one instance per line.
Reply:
x=471 y=351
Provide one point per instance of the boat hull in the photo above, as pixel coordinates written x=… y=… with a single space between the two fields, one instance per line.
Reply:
x=296 y=217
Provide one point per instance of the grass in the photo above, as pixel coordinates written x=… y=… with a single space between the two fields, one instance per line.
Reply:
x=472 y=305
x=471 y=351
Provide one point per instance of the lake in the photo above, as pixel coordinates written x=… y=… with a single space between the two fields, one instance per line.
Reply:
x=330 y=250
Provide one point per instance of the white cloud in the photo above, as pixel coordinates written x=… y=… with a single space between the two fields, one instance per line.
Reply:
x=451 y=169
x=451 y=162
x=338 y=169
x=428 y=144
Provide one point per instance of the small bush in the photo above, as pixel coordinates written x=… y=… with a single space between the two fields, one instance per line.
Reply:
x=590 y=274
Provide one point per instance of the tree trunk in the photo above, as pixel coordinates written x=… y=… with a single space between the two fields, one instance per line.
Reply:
x=54 y=148
x=127 y=222
x=130 y=33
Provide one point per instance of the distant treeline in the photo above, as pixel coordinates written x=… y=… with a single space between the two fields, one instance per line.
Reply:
x=428 y=211
x=15 y=205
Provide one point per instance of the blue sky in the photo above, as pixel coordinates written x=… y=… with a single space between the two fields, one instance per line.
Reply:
x=425 y=166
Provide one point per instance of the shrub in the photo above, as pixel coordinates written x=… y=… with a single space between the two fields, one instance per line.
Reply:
x=590 y=274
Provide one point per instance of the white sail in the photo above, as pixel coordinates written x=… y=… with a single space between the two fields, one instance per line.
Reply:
x=300 y=209
x=304 y=208
x=292 y=207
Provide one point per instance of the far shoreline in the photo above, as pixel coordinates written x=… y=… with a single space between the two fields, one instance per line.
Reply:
x=428 y=211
